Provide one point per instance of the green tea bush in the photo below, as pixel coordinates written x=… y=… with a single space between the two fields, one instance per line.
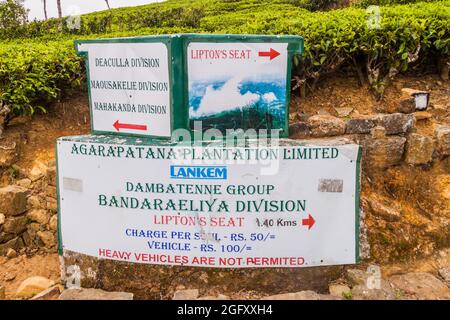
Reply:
x=40 y=66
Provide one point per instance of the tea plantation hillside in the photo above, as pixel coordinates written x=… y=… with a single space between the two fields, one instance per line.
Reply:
x=38 y=64
x=364 y=178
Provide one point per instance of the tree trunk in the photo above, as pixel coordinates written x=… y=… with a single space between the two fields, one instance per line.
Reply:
x=107 y=3
x=58 y=3
x=44 y=2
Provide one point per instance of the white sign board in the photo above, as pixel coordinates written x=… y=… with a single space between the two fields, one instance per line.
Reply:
x=129 y=87
x=231 y=81
x=162 y=205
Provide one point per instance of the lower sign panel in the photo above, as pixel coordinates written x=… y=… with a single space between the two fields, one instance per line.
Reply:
x=289 y=206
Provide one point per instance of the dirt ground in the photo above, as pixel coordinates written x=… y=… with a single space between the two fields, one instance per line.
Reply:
x=39 y=133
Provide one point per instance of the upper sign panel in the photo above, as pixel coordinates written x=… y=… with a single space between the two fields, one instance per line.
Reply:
x=151 y=86
x=238 y=85
x=129 y=86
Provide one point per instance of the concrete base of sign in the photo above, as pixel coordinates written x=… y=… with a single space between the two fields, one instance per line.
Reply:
x=160 y=282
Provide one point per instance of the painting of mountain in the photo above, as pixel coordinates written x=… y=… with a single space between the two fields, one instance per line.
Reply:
x=238 y=103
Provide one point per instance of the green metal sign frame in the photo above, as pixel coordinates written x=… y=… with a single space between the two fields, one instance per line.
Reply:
x=178 y=71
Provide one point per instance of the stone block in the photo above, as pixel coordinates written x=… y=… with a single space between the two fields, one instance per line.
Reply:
x=299 y=130
x=15 y=225
x=94 y=294
x=384 y=152
x=442 y=134
x=13 y=200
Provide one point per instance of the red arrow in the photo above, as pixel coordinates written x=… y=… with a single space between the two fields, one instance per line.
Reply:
x=309 y=222
x=272 y=54
x=119 y=126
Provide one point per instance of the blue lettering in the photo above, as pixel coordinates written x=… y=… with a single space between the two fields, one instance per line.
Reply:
x=200 y=172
